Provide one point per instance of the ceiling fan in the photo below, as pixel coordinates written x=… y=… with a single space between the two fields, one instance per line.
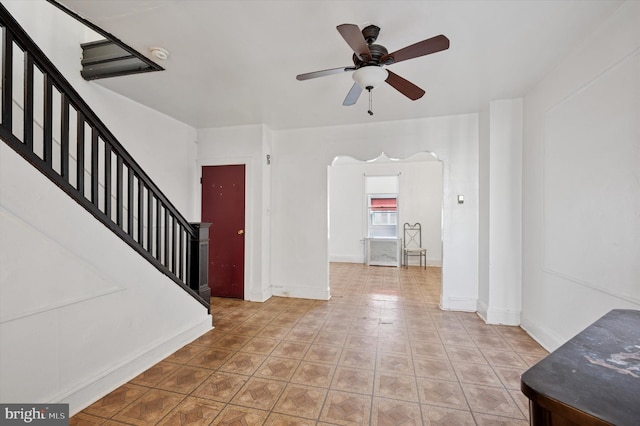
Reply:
x=369 y=59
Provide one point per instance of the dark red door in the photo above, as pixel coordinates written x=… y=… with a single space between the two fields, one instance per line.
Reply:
x=223 y=207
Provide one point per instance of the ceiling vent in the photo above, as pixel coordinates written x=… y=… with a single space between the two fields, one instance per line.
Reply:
x=104 y=58
x=109 y=57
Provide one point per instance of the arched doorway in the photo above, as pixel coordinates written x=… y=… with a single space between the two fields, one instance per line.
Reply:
x=419 y=195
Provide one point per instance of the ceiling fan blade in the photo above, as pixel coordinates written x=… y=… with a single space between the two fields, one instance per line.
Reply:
x=353 y=95
x=405 y=87
x=354 y=38
x=421 y=48
x=322 y=73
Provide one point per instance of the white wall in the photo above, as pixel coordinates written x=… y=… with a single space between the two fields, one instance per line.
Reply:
x=483 y=208
x=347 y=201
x=299 y=198
x=501 y=214
x=81 y=312
x=505 y=212
x=581 y=184
x=294 y=260
x=420 y=200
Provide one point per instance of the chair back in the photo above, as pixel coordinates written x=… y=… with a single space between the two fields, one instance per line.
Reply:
x=412 y=236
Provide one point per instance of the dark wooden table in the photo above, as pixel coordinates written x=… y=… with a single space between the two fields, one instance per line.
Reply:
x=593 y=379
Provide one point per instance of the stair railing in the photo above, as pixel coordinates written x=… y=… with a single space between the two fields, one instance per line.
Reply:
x=46 y=121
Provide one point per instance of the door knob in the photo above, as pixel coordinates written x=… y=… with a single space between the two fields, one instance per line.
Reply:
x=241 y=232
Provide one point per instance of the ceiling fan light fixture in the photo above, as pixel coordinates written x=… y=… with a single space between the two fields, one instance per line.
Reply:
x=370 y=76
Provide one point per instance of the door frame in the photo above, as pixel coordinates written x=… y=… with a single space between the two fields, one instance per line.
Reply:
x=443 y=208
x=249 y=242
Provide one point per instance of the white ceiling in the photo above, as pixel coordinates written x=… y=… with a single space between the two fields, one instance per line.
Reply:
x=234 y=62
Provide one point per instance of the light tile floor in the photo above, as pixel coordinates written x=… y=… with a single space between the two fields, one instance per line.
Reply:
x=380 y=352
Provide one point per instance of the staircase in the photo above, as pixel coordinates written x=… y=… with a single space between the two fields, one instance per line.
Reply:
x=46 y=121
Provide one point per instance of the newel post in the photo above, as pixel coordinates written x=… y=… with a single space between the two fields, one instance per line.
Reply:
x=199 y=262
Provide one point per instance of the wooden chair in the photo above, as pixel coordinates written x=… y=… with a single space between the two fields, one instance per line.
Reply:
x=412 y=244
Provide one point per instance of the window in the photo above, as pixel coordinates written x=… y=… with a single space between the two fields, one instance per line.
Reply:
x=383 y=215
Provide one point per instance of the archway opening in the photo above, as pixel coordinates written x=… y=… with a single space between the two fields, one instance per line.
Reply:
x=419 y=199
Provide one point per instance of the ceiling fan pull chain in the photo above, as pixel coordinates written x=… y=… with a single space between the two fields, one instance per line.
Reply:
x=370 y=101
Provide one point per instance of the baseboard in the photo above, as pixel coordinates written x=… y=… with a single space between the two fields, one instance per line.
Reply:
x=497 y=316
x=503 y=316
x=360 y=259
x=260 y=295
x=458 y=304
x=434 y=262
x=301 y=292
x=543 y=335
x=346 y=259
x=429 y=262
x=96 y=387
x=481 y=310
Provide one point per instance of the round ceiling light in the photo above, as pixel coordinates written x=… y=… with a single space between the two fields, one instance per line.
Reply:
x=159 y=53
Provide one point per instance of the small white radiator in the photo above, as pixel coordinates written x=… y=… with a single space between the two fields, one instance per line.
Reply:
x=383 y=251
